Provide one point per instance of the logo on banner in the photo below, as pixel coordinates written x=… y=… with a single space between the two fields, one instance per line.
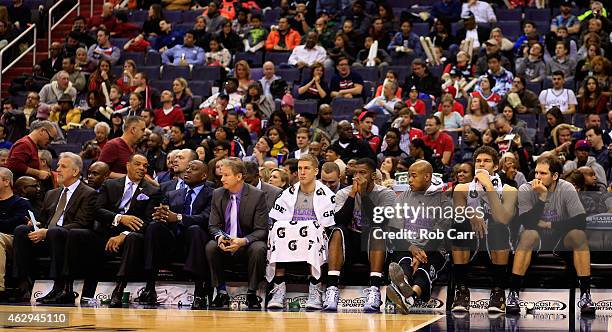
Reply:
x=605 y=305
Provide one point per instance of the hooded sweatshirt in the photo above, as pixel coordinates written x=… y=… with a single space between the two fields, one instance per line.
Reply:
x=592 y=163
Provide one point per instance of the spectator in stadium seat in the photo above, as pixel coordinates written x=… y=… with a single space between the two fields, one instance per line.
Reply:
x=105 y=21
x=314 y=86
x=151 y=27
x=64 y=209
x=156 y=156
x=361 y=20
x=440 y=142
x=53 y=64
x=484 y=89
x=168 y=114
x=20 y=14
x=242 y=75
x=283 y=38
x=404 y=41
x=183 y=222
x=179 y=166
x=237 y=235
x=565 y=99
x=391 y=147
x=491 y=46
x=561 y=61
x=230 y=39
x=302 y=141
x=351 y=146
x=255 y=95
x=582 y=149
x=471 y=29
x=325 y=122
x=125 y=207
x=4 y=144
x=13 y=119
x=124 y=29
x=305 y=203
x=599 y=150
x=268 y=77
x=103 y=50
x=528 y=101
x=255 y=39
x=422 y=79
x=14 y=213
x=385 y=104
x=592 y=100
x=552 y=215
x=482 y=11
x=80 y=33
x=168 y=38
x=531 y=65
x=447 y=9
x=65 y=114
x=441 y=35
x=117 y=151
x=503 y=77
x=232 y=120
x=75 y=77
x=51 y=92
x=479 y=115
x=487 y=193
x=217 y=54
x=149 y=94
x=450 y=119
x=30 y=108
x=308 y=54
x=186 y=54
x=382 y=57
x=566 y=19
x=214 y=19
x=183 y=97
x=346 y=84
x=102 y=131
x=102 y=75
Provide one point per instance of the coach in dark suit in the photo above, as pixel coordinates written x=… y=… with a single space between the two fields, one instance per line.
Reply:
x=125 y=206
x=181 y=222
x=252 y=178
x=239 y=226
x=179 y=166
x=69 y=207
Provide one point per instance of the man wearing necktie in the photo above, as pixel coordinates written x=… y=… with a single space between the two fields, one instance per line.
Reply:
x=239 y=226
x=179 y=165
x=67 y=208
x=125 y=206
x=179 y=229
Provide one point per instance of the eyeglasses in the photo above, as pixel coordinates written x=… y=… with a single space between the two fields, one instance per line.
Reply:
x=51 y=138
x=218 y=149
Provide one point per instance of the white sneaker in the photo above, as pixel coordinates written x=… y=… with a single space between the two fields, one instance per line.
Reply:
x=315 y=297
x=332 y=296
x=373 y=301
x=278 y=296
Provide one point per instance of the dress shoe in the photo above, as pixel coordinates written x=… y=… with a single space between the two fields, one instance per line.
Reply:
x=63 y=297
x=199 y=303
x=253 y=301
x=147 y=297
x=221 y=300
x=51 y=294
x=116 y=298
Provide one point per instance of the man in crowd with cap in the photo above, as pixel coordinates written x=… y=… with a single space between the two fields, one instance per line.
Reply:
x=566 y=19
x=491 y=46
x=471 y=30
x=582 y=150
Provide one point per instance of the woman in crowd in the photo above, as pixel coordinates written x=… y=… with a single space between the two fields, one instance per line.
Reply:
x=116 y=126
x=218 y=55
x=124 y=82
x=256 y=96
x=279 y=178
x=388 y=168
x=591 y=100
x=489 y=136
x=341 y=49
x=554 y=117
x=465 y=172
x=251 y=120
x=101 y=75
x=135 y=103
x=390 y=22
x=278 y=138
x=151 y=25
x=451 y=120
x=202 y=129
x=378 y=32
x=510 y=115
x=441 y=34
x=508 y=166
x=242 y=72
x=229 y=39
x=315 y=87
x=584 y=66
x=389 y=76
x=479 y=115
x=183 y=97
x=82 y=62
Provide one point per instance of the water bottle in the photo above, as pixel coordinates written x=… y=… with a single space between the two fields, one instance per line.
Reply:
x=125 y=78
x=405 y=43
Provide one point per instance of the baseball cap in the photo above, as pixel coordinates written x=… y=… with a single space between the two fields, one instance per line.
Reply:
x=287 y=100
x=566 y=3
x=582 y=145
x=492 y=42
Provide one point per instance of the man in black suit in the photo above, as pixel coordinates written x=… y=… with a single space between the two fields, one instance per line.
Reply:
x=67 y=208
x=181 y=222
x=179 y=166
x=239 y=226
x=125 y=206
x=252 y=177
x=53 y=64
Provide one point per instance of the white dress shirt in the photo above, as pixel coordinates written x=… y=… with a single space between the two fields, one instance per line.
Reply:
x=71 y=189
x=300 y=53
x=483 y=12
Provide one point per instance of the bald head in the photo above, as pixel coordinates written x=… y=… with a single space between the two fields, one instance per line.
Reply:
x=420 y=173
x=268 y=69
x=97 y=173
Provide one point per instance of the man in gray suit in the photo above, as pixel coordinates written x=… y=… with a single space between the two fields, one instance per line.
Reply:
x=239 y=226
x=252 y=177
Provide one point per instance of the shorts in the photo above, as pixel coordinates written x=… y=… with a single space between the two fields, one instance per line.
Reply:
x=497 y=237
x=356 y=246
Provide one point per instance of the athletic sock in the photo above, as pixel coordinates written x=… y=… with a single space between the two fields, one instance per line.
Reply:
x=585 y=284
x=516 y=281
x=460 y=271
x=375 y=279
x=278 y=280
x=333 y=278
x=499 y=275
x=313 y=281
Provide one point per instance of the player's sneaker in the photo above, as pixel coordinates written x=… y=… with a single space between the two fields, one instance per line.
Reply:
x=315 y=297
x=462 y=299
x=402 y=304
x=586 y=305
x=332 y=296
x=512 y=303
x=373 y=301
x=497 y=300
x=278 y=296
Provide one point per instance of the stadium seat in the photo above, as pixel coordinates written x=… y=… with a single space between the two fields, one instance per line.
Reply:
x=256 y=73
x=153 y=58
x=59 y=148
x=401 y=3
x=119 y=42
x=117 y=71
x=184 y=26
x=206 y=73
x=510 y=29
x=138 y=15
x=254 y=59
x=79 y=136
x=174 y=16
x=138 y=57
x=289 y=74
x=368 y=89
x=579 y=119
x=455 y=27
x=189 y=16
x=421 y=29
x=278 y=57
x=344 y=107
x=535 y=87
x=161 y=85
x=402 y=59
x=171 y=72
x=271 y=15
x=197 y=100
x=151 y=71
x=503 y=14
x=530 y=119
x=536 y=14
x=201 y=87
x=306 y=106
x=367 y=73
x=401 y=71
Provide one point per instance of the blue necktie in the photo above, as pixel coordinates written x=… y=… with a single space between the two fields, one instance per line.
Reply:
x=187 y=205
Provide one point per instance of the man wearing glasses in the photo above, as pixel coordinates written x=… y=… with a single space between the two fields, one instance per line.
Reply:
x=23 y=157
x=529 y=102
x=346 y=84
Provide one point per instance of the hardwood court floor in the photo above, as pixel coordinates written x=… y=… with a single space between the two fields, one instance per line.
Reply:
x=105 y=319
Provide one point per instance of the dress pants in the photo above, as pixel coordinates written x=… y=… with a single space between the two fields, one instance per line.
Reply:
x=165 y=241
x=6 y=249
x=132 y=257
x=24 y=251
x=254 y=254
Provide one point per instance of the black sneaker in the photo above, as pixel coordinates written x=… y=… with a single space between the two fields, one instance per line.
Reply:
x=497 y=300
x=512 y=303
x=462 y=299
x=586 y=305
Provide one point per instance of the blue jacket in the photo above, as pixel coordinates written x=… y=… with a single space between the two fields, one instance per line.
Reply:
x=168 y=40
x=413 y=43
x=193 y=55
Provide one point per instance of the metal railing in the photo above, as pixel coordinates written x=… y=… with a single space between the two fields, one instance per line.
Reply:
x=53 y=26
x=32 y=48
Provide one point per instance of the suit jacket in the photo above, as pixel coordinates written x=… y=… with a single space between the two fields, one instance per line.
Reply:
x=168 y=186
x=252 y=217
x=79 y=211
x=271 y=193
x=200 y=208
x=49 y=68
x=109 y=200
